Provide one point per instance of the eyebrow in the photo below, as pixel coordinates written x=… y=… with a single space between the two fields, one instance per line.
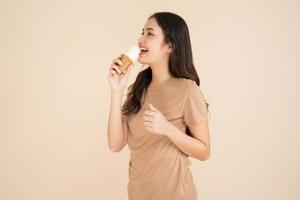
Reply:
x=148 y=29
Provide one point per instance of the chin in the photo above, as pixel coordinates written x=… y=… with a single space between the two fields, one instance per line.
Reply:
x=141 y=61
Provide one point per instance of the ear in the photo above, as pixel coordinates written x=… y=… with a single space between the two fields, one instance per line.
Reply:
x=170 y=47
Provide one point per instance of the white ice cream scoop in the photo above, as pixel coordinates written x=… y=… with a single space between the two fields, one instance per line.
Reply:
x=133 y=53
x=128 y=58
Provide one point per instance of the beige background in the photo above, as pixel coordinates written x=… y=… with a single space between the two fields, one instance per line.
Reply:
x=55 y=96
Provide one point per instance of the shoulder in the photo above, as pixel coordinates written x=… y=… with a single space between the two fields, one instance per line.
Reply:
x=191 y=90
x=184 y=83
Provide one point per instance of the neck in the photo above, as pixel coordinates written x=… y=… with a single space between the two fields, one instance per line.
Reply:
x=160 y=73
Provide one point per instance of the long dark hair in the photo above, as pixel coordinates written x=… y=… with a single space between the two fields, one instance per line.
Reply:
x=181 y=64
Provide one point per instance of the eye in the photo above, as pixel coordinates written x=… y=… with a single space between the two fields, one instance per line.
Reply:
x=148 y=33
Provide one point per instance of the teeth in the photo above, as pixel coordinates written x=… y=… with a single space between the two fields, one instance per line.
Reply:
x=143 y=49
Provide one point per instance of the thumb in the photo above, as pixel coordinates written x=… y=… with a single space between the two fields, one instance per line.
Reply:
x=130 y=66
x=152 y=107
x=128 y=70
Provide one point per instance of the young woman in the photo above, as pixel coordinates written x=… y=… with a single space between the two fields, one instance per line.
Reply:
x=164 y=119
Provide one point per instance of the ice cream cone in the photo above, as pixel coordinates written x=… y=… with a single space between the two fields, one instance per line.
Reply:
x=128 y=58
x=126 y=63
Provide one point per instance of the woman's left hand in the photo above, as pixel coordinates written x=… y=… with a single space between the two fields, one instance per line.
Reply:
x=155 y=122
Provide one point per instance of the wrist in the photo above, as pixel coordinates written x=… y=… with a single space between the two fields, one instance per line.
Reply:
x=171 y=130
x=116 y=92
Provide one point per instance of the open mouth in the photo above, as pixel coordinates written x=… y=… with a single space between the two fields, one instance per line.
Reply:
x=143 y=51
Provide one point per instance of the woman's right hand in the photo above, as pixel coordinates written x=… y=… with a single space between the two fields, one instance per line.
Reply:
x=117 y=81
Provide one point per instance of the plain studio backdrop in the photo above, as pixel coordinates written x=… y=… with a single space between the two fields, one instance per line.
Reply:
x=55 y=96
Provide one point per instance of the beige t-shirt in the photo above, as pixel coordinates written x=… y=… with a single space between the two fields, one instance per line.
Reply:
x=158 y=169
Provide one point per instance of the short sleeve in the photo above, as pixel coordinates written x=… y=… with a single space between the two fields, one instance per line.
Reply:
x=194 y=110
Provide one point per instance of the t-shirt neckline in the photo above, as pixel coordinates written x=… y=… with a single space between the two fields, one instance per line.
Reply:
x=160 y=84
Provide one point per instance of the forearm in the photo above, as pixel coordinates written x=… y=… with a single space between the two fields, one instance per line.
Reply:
x=115 y=129
x=189 y=145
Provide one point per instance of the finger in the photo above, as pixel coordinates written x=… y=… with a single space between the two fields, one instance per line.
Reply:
x=112 y=73
x=149 y=113
x=115 y=67
x=116 y=70
x=114 y=64
x=153 y=108
x=148 y=118
x=128 y=70
x=131 y=66
x=148 y=124
x=117 y=61
x=149 y=129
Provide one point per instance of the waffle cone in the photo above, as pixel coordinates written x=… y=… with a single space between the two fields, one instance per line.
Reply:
x=126 y=62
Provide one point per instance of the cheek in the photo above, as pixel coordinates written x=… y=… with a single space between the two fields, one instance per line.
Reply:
x=158 y=54
x=156 y=51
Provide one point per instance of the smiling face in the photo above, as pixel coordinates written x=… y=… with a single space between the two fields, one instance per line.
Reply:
x=152 y=40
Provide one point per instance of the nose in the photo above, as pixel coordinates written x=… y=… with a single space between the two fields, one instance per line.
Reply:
x=141 y=40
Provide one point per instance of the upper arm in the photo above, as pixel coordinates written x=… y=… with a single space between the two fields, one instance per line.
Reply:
x=195 y=114
x=194 y=107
